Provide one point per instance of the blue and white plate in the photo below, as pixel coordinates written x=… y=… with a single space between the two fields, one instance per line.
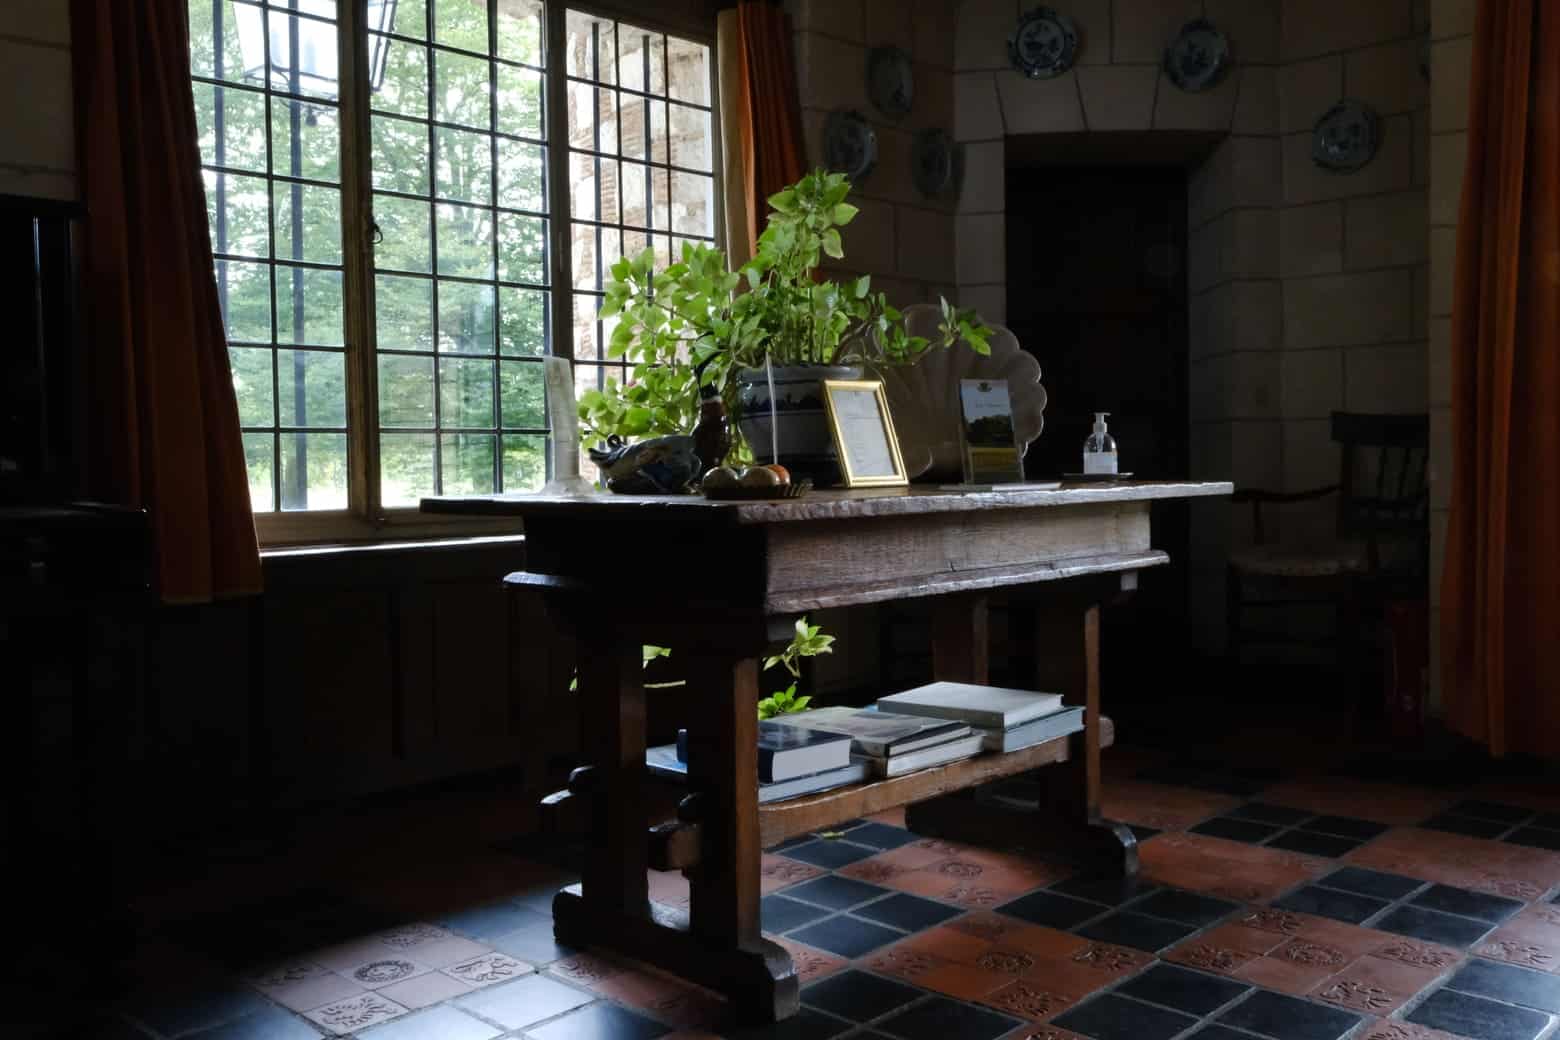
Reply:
x=849 y=144
x=1198 y=58
x=1346 y=137
x=890 y=81
x=1044 y=45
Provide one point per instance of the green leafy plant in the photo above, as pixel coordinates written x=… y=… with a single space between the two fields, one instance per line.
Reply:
x=697 y=322
x=808 y=641
x=782 y=702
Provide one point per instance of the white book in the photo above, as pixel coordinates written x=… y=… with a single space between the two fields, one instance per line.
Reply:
x=936 y=755
x=663 y=762
x=1048 y=727
x=880 y=734
x=988 y=707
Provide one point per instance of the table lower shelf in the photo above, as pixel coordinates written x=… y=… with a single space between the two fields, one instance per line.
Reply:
x=778 y=821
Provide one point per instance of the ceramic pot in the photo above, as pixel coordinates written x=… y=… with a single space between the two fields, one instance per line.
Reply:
x=801 y=424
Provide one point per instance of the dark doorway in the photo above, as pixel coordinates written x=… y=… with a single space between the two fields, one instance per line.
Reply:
x=1097 y=291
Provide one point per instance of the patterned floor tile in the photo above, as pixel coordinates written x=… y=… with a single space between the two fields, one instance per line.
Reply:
x=1159 y=806
x=777 y=872
x=356 y=1013
x=1375 y=985
x=425 y=990
x=811 y=964
x=303 y=986
x=1531 y=940
x=599 y=1022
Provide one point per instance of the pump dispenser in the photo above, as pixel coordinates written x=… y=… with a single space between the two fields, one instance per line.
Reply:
x=1099 y=451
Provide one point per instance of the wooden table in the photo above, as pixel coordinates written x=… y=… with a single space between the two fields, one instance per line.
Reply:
x=718 y=583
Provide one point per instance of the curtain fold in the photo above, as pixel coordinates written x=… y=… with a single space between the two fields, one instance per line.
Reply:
x=163 y=430
x=1500 y=592
x=761 y=117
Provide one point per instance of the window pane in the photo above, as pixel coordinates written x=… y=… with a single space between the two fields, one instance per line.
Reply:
x=318 y=153
x=318 y=216
x=520 y=102
x=403 y=227
x=462 y=91
x=403 y=86
x=520 y=31
x=465 y=240
x=313 y=42
x=691 y=137
x=242 y=146
x=410 y=17
x=688 y=65
x=642 y=141
x=400 y=155
x=214 y=47
x=405 y=390
x=641 y=59
x=238 y=208
x=466 y=393
x=587 y=346
x=467 y=463
x=591 y=53
x=465 y=165
x=595 y=249
x=259 y=449
x=314 y=470
x=522 y=175
x=405 y=467
x=645 y=191
x=308 y=306
x=465 y=318
x=593 y=118
x=313 y=385
x=525 y=462
x=593 y=188
x=461 y=23
x=522 y=321
x=522 y=394
x=693 y=204
x=522 y=249
x=251 y=367
x=403 y=312
x=245 y=292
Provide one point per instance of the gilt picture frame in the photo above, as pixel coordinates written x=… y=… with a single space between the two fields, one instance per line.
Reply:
x=863 y=433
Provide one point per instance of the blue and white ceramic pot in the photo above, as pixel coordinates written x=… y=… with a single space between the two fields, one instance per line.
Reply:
x=801 y=426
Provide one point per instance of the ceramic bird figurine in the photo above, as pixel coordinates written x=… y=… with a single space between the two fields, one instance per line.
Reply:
x=659 y=466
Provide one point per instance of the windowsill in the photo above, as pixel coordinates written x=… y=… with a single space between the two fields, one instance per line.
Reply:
x=386 y=548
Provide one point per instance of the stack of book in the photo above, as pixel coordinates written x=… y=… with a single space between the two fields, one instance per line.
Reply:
x=792 y=760
x=893 y=744
x=1004 y=719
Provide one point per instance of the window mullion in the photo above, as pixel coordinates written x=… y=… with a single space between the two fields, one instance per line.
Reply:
x=357 y=251
x=560 y=222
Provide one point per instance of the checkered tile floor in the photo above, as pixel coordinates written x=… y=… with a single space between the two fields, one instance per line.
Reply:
x=1267 y=909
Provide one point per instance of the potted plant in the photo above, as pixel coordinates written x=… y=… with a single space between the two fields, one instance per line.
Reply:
x=697 y=325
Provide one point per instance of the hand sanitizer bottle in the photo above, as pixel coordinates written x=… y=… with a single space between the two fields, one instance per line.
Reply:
x=1099 y=451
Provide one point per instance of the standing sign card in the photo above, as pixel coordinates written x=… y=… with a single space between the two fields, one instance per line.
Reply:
x=990 y=448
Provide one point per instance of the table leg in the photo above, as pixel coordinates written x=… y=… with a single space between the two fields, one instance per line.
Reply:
x=961 y=638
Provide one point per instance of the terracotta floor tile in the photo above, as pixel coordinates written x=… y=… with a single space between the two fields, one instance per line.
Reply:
x=1078 y=978
x=964 y=981
x=948 y=943
x=1204 y=864
x=1384 y=1030
x=587 y=969
x=669 y=887
x=776 y=872
x=1495 y=867
x=1160 y=806
x=812 y=964
x=1031 y=1032
x=1416 y=952
x=904 y=962
x=1029 y=999
x=892 y=817
x=1044 y=942
x=1226 y=948
x=1397 y=804
x=1296 y=978
x=1353 y=940
x=1107 y=962
x=990 y=927
x=645 y=990
x=1375 y=986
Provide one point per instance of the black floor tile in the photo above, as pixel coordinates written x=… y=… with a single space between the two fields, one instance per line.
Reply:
x=1051 y=910
x=830 y=854
x=1110 y=891
x=858 y=996
x=1288 y=1018
x=1371 y=883
x=1218 y=1032
x=1465 y=825
x=1109 y=1017
x=1312 y=844
x=1185 y=907
x=1465 y=1015
x=1491 y=811
x=791 y=843
x=912 y=913
x=941 y=1018
x=1535 y=837
x=1182 y=989
x=881 y=836
x=1265 y=812
x=1548 y=820
x=835 y=892
x=806 y=1024
x=1461 y=901
x=1326 y=902
x=1347 y=827
x=1430 y=926
x=600 y=1021
x=1142 y=833
x=846 y=936
x=1508 y=983
x=1141 y=933
x=1236 y=830
x=780 y=914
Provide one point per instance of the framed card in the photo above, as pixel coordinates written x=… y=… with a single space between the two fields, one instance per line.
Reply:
x=863 y=433
x=991 y=453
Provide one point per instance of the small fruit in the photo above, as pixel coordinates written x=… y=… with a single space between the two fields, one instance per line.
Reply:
x=781 y=472
x=760 y=477
x=721 y=477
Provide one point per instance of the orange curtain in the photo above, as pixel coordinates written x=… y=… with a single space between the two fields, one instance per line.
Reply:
x=1500 y=594
x=163 y=420
x=761 y=117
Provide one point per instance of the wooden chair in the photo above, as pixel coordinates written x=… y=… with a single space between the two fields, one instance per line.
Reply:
x=1378 y=552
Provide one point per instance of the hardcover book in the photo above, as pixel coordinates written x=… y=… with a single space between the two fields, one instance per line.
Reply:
x=663 y=762
x=786 y=751
x=880 y=734
x=989 y=707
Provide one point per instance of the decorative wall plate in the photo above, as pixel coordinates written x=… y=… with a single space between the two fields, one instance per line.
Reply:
x=937 y=164
x=1044 y=45
x=890 y=81
x=1198 y=58
x=849 y=144
x=1346 y=137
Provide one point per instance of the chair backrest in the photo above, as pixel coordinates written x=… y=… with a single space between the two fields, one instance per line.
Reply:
x=1383 y=488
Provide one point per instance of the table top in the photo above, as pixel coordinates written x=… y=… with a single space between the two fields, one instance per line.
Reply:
x=827 y=505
